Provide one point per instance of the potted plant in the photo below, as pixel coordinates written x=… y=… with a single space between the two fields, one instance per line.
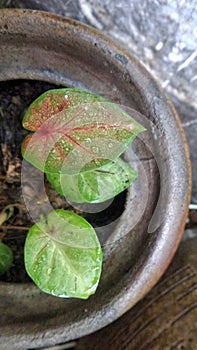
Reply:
x=77 y=139
x=46 y=47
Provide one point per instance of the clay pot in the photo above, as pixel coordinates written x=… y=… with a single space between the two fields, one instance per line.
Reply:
x=46 y=47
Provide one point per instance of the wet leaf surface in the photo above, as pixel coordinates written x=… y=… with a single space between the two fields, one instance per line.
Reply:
x=94 y=186
x=75 y=130
x=63 y=255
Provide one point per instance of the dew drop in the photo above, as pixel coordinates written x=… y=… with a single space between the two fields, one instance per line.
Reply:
x=95 y=149
x=131 y=127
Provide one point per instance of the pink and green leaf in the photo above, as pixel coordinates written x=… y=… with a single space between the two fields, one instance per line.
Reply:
x=75 y=130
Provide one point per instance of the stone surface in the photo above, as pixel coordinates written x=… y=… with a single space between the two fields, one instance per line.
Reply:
x=164 y=319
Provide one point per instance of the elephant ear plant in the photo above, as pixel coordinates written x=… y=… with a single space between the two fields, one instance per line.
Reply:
x=76 y=139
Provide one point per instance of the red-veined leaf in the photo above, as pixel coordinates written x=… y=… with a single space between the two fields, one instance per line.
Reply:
x=75 y=130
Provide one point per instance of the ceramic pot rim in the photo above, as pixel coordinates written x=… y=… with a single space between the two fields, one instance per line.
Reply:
x=155 y=264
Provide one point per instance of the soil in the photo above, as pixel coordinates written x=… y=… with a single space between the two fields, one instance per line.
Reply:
x=15 y=97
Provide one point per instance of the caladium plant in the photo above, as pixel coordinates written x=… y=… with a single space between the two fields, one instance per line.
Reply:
x=77 y=139
x=63 y=255
x=94 y=186
x=75 y=131
x=6 y=258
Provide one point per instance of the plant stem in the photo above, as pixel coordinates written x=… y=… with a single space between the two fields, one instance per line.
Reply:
x=12 y=227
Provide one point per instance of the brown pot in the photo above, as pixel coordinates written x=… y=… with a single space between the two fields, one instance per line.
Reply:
x=42 y=46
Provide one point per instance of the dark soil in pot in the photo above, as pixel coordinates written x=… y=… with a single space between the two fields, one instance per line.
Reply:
x=15 y=97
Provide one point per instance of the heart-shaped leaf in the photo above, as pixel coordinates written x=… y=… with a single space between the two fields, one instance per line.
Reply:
x=6 y=258
x=75 y=130
x=63 y=255
x=94 y=186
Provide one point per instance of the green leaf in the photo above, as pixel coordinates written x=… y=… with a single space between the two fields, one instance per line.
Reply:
x=94 y=186
x=6 y=213
x=6 y=258
x=66 y=185
x=75 y=130
x=63 y=255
